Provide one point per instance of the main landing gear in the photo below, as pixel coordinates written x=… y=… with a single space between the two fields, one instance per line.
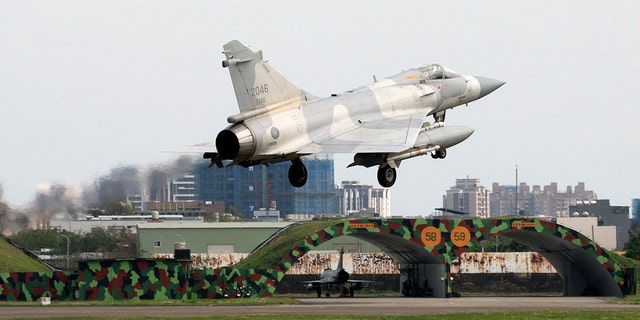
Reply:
x=439 y=154
x=386 y=176
x=297 y=173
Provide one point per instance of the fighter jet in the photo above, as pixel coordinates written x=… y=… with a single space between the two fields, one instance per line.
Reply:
x=338 y=277
x=383 y=122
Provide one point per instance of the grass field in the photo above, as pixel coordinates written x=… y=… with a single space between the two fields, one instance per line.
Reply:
x=273 y=251
x=14 y=260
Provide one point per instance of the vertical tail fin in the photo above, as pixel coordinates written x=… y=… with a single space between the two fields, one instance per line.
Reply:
x=256 y=84
x=340 y=261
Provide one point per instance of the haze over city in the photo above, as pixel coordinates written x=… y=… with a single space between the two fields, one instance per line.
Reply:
x=90 y=86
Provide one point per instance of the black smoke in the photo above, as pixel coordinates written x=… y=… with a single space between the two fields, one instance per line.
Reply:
x=149 y=184
x=159 y=176
x=57 y=199
x=120 y=183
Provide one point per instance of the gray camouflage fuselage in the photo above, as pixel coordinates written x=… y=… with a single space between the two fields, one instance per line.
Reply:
x=383 y=122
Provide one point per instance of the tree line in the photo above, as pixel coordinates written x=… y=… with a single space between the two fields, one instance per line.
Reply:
x=106 y=243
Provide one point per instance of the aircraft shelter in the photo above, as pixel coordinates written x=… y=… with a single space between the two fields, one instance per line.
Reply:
x=425 y=249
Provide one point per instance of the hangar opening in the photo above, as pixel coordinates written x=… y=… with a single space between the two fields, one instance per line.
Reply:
x=426 y=248
x=581 y=273
x=421 y=273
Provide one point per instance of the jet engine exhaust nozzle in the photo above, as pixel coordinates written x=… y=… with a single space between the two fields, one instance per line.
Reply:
x=236 y=142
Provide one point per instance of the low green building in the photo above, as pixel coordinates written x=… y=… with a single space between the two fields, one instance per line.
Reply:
x=223 y=237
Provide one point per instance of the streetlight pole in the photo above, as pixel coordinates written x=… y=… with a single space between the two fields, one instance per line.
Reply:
x=68 y=245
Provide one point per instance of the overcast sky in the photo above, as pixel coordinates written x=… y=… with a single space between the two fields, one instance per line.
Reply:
x=86 y=86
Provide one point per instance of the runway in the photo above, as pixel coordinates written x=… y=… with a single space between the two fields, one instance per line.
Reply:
x=330 y=306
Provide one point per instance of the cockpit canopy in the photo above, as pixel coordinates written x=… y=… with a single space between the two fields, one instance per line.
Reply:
x=435 y=71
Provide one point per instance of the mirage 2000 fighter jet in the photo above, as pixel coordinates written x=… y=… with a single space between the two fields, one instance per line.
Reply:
x=382 y=123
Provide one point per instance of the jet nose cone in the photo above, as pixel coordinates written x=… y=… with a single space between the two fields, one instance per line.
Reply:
x=488 y=85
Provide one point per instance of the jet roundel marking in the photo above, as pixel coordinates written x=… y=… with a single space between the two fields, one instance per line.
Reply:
x=430 y=236
x=460 y=236
x=275 y=133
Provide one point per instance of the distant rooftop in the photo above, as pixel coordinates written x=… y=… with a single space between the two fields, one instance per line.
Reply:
x=212 y=225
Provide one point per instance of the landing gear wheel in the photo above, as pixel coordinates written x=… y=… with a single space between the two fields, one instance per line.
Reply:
x=386 y=176
x=297 y=173
x=345 y=291
x=442 y=153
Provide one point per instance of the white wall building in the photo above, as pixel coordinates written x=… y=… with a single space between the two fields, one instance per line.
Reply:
x=468 y=196
x=183 y=189
x=356 y=198
x=604 y=236
x=381 y=201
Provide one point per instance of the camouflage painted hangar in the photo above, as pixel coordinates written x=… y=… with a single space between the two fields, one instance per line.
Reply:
x=425 y=248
